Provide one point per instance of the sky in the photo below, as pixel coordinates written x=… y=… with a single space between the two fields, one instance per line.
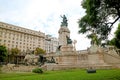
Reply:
x=44 y=16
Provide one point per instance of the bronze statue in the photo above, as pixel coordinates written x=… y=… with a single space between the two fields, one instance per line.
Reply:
x=64 y=22
x=69 y=41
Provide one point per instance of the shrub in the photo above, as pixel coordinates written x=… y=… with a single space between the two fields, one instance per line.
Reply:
x=37 y=70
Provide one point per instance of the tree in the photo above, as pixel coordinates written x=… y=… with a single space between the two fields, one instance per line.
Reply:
x=15 y=51
x=116 y=41
x=39 y=51
x=97 y=18
x=3 y=53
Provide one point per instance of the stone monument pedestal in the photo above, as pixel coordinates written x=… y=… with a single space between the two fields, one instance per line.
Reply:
x=67 y=48
x=67 y=55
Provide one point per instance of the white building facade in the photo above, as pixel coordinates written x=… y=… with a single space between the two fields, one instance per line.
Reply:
x=17 y=37
x=25 y=39
x=51 y=44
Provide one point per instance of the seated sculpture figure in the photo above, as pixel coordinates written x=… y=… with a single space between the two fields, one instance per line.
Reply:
x=69 y=41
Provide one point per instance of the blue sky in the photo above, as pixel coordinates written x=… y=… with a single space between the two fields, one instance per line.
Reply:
x=44 y=16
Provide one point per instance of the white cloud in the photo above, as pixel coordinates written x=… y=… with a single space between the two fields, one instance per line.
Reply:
x=44 y=15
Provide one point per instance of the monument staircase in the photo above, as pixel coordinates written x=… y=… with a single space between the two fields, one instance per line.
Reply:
x=112 y=57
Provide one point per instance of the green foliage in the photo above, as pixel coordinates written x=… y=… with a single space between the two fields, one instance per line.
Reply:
x=39 y=51
x=116 y=41
x=15 y=51
x=117 y=32
x=112 y=42
x=97 y=18
x=3 y=53
x=37 y=70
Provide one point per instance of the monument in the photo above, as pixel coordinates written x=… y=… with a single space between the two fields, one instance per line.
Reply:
x=66 y=52
x=64 y=36
x=66 y=56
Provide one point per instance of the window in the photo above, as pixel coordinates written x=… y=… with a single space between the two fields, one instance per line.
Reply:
x=8 y=44
x=4 y=40
x=39 y=39
x=21 y=36
x=9 y=41
x=0 y=33
x=9 y=34
x=5 y=36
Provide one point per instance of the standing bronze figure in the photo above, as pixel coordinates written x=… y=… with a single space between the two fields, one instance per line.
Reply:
x=64 y=22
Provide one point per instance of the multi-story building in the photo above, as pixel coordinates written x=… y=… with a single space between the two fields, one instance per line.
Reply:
x=14 y=36
x=55 y=44
x=51 y=44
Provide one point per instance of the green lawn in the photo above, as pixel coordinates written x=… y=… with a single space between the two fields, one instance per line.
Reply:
x=76 y=74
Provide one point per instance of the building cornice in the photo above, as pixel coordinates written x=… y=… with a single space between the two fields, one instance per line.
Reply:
x=21 y=29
